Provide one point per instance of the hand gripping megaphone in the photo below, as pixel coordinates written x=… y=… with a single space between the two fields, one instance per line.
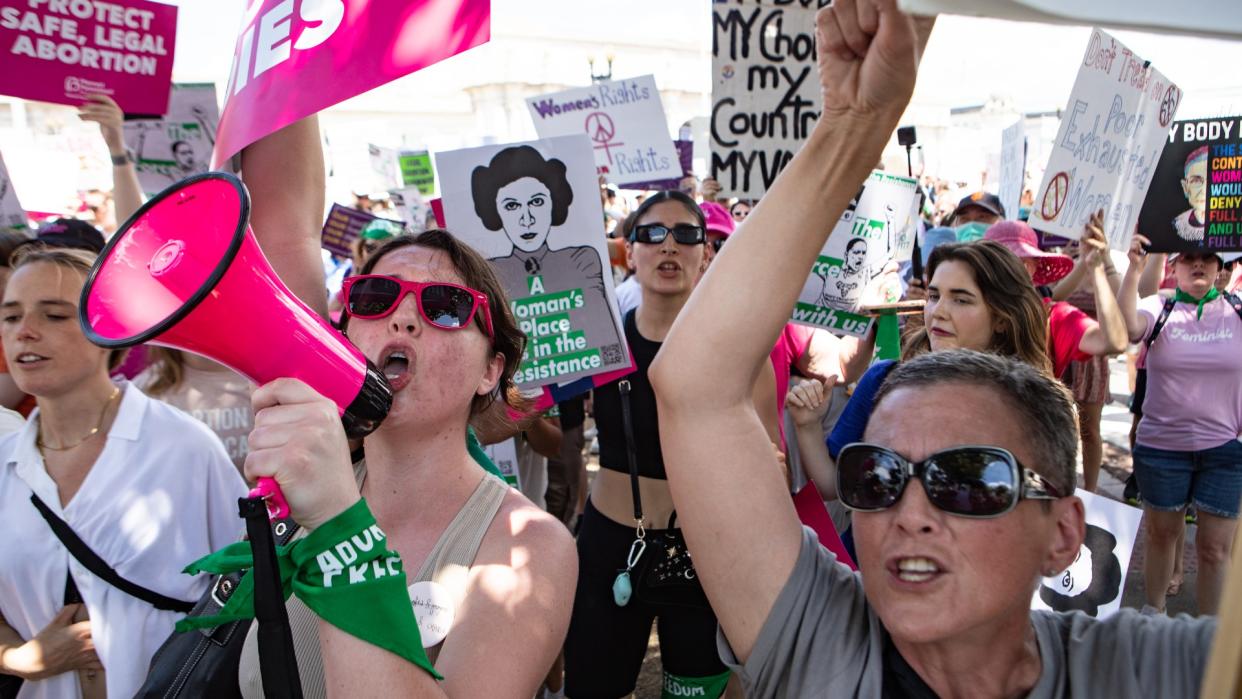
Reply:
x=186 y=272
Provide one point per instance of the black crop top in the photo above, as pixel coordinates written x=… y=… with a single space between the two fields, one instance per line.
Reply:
x=612 y=454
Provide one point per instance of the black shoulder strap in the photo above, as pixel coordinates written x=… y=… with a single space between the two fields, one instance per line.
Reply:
x=79 y=550
x=1234 y=301
x=627 y=425
x=1162 y=319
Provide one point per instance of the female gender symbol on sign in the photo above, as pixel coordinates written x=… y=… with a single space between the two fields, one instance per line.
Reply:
x=1054 y=196
x=1168 y=106
x=600 y=128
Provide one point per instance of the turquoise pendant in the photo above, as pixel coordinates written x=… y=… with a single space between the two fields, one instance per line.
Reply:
x=621 y=589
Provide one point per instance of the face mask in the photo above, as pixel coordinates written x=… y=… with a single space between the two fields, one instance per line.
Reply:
x=970 y=231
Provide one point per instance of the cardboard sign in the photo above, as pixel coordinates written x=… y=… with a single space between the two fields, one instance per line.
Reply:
x=384 y=167
x=765 y=91
x=11 y=213
x=878 y=228
x=1012 y=168
x=1110 y=139
x=534 y=210
x=685 y=156
x=171 y=149
x=504 y=455
x=417 y=171
x=624 y=120
x=1196 y=193
x=63 y=51
x=287 y=61
x=411 y=207
x=342 y=229
x=1094 y=583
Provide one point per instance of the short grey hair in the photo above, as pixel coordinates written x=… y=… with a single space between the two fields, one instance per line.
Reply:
x=1044 y=403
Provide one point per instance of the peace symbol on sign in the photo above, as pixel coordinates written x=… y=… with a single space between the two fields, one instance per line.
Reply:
x=1054 y=196
x=599 y=127
x=1168 y=106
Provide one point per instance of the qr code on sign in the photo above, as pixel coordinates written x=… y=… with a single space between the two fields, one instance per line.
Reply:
x=612 y=354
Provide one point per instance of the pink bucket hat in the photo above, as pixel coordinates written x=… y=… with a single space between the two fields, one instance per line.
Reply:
x=1021 y=240
x=717 y=218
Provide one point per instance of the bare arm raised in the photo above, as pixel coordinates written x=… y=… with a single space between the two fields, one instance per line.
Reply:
x=738 y=519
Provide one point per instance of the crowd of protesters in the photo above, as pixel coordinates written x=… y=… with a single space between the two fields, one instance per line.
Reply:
x=949 y=473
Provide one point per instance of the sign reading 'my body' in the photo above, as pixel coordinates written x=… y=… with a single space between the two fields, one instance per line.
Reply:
x=287 y=62
x=765 y=90
x=624 y=120
x=1196 y=193
x=63 y=51
x=1110 y=139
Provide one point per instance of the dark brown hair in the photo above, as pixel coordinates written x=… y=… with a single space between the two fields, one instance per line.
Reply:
x=1009 y=295
x=477 y=273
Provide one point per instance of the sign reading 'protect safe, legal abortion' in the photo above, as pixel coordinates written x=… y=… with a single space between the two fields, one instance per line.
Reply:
x=63 y=50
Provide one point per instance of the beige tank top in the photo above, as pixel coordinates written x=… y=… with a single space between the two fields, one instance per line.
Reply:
x=448 y=564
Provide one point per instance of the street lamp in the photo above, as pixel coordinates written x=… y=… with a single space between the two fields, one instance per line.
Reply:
x=602 y=77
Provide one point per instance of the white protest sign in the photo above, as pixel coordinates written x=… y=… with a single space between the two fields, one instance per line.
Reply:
x=1106 y=150
x=624 y=120
x=534 y=210
x=411 y=208
x=1095 y=581
x=171 y=149
x=765 y=91
x=854 y=269
x=1012 y=168
x=504 y=455
x=11 y=213
x=385 y=169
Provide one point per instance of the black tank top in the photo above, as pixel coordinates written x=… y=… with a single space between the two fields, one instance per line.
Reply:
x=612 y=454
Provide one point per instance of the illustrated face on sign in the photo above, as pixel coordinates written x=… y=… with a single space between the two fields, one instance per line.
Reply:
x=1194 y=182
x=1076 y=579
x=525 y=208
x=855 y=256
x=183 y=154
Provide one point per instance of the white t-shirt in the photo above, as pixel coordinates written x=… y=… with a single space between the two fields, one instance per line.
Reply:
x=629 y=295
x=162 y=494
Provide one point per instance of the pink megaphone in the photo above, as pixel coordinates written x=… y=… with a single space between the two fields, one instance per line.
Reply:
x=185 y=271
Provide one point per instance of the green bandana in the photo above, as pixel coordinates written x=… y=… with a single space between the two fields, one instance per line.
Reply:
x=343 y=571
x=1183 y=297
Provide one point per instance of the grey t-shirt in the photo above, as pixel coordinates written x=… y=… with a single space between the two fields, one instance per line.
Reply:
x=822 y=639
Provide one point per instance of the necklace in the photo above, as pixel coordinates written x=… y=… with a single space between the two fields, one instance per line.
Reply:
x=116 y=391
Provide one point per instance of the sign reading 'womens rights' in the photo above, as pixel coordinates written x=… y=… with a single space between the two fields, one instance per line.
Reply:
x=293 y=59
x=63 y=51
x=1106 y=150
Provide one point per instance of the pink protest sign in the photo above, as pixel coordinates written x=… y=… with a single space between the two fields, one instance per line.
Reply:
x=61 y=51
x=293 y=59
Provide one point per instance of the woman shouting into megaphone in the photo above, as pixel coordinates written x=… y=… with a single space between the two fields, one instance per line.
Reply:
x=491 y=577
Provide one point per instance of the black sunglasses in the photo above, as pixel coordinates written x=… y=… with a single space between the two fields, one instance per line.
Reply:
x=969 y=481
x=685 y=234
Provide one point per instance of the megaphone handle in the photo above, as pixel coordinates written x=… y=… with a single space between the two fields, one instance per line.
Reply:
x=269 y=490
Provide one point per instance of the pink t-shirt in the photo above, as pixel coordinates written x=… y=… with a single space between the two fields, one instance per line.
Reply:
x=1066 y=326
x=1194 y=378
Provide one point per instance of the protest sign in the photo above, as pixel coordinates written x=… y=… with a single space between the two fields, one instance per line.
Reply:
x=384 y=169
x=685 y=156
x=342 y=229
x=11 y=213
x=854 y=269
x=1106 y=149
x=1012 y=168
x=504 y=455
x=417 y=171
x=765 y=91
x=1094 y=582
x=171 y=149
x=287 y=64
x=534 y=210
x=411 y=207
x=1196 y=193
x=624 y=120
x=1205 y=18
x=63 y=51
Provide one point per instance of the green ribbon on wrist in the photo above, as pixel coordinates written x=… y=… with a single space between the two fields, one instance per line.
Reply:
x=343 y=571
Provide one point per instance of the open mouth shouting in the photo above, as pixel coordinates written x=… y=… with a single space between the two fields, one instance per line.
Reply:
x=395 y=364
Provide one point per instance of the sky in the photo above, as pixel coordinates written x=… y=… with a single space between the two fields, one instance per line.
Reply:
x=967 y=61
